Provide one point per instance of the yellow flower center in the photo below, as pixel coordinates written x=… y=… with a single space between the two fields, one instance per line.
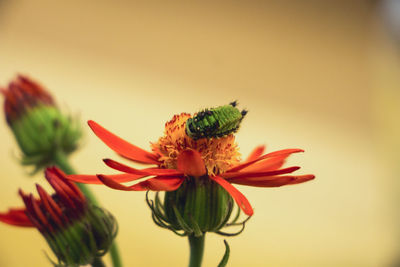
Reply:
x=218 y=154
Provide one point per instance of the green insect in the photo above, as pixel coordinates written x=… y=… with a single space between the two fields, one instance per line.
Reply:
x=215 y=122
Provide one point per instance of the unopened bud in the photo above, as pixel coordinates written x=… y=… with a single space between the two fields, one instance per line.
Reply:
x=39 y=127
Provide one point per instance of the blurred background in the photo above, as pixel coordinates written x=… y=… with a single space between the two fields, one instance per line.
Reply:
x=319 y=75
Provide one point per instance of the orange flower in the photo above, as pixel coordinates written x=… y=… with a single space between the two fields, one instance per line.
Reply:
x=176 y=156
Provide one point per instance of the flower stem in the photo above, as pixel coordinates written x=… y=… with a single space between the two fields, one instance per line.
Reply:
x=98 y=262
x=61 y=161
x=115 y=258
x=196 y=250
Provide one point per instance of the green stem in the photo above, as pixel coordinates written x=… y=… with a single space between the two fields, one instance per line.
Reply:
x=61 y=161
x=115 y=258
x=196 y=250
x=98 y=262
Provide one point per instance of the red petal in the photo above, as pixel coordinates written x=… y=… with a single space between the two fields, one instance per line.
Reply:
x=191 y=163
x=144 y=172
x=303 y=178
x=256 y=153
x=269 y=155
x=92 y=179
x=122 y=147
x=240 y=199
x=57 y=178
x=111 y=183
x=16 y=217
x=61 y=189
x=156 y=184
x=159 y=184
x=77 y=194
x=231 y=176
x=30 y=211
x=274 y=181
x=28 y=204
x=39 y=215
x=50 y=205
x=268 y=164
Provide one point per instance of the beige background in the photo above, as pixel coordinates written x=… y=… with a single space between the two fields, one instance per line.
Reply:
x=318 y=75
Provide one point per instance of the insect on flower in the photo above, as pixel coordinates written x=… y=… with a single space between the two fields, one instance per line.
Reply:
x=215 y=122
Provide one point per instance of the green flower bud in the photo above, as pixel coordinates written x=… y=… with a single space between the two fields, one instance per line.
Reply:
x=39 y=127
x=77 y=231
x=198 y=206
x=83 y=240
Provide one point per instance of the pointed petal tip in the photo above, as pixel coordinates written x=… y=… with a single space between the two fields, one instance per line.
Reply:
x=308 y=177
x=250 y=213
x=49 y=172
x=93 y=125
x=294 y=150
x=107 y=160
x=302 y=179
x=261 y=147
x=21 y=193
x=39 y=188
x=256 y=153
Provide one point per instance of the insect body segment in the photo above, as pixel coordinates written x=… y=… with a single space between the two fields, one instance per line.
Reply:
x=215 y=122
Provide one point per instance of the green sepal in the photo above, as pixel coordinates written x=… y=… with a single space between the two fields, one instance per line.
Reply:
x=104 y=228
x=198 y=206
x=225 y=258
x=181 y=222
